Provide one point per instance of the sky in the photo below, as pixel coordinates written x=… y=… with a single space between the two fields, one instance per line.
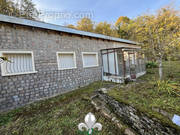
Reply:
x=64 y=12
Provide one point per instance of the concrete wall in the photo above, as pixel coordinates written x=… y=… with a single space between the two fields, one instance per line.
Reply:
x=19 y=90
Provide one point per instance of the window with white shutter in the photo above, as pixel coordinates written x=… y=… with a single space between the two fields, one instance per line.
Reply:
x=19 y=62
x=66 y=60
x=90 y=59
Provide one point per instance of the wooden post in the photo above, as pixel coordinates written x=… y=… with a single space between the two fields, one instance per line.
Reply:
x=134 y=61
x=115 y=62
x=108 y=60
x=102 y=63
x=124 y=66
x=129 y=64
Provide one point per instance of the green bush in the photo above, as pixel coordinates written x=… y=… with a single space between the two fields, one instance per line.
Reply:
x=151 y=64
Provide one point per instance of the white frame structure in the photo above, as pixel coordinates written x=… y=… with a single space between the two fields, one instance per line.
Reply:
x=74 y=57
x=17 y=52
x=95 y=53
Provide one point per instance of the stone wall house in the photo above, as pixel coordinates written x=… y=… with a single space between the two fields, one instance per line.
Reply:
x=47 y=60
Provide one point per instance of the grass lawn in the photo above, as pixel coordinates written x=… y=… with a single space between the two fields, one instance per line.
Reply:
x=150 y=95
x=56 y=116
x=61 y=115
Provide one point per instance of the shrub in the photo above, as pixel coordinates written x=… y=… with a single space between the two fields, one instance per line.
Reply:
x=127 y=80
x=151 y=64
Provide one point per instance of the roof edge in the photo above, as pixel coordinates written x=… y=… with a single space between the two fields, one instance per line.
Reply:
x=38 y=24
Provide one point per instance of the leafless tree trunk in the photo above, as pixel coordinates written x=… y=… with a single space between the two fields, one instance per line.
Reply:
x=160 y=68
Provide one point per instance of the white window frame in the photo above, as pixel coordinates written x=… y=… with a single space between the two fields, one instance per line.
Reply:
x=74 y=57
x=17 y=52
x=96 y=53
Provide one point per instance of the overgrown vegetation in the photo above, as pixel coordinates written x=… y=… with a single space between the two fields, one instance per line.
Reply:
x=151 y=64
x=150 y=94
x=59 y=115
x=168 y=86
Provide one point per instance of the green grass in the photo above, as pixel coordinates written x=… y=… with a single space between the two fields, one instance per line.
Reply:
x=59 y=115
x=145 y=95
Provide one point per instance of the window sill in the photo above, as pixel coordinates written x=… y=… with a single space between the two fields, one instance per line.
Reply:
x=23 y=73
x=90 y=66
x=67 y=68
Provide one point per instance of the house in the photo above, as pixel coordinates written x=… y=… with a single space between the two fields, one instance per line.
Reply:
x=47 y=59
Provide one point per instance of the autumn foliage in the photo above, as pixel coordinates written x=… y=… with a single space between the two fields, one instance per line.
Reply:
x=159 y=33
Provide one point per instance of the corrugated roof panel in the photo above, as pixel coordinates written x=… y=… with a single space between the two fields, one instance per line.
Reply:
x=38 y=24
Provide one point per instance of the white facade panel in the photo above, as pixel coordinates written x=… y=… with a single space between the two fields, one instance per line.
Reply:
x=105 y=64
x=111 y=63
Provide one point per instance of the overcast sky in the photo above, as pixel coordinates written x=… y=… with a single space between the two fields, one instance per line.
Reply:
x=63 y=12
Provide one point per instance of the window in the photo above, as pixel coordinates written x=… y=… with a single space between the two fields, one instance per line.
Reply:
x=66 y=60
x=20 y=62
x=90 y=59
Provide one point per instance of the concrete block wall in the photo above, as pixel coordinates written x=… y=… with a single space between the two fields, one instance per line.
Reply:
x=18 y=90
